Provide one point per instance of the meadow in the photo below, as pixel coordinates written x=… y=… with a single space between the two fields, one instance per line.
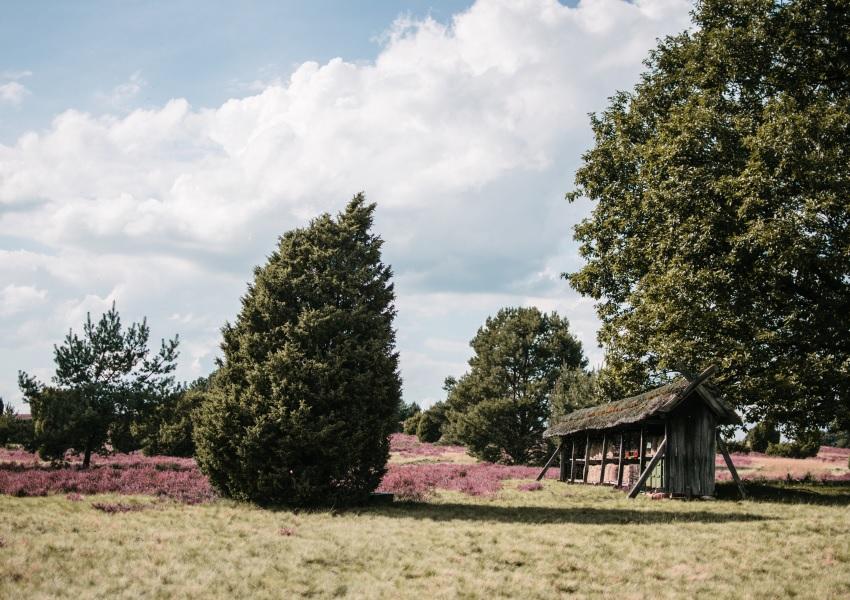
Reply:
x=459 y=529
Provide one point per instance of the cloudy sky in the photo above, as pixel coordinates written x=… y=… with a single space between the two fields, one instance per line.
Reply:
x=151 y=153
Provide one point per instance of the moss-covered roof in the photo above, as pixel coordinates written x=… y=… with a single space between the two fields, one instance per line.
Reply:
x=661 y=400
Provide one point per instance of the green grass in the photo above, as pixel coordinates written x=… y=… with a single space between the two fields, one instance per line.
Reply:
x=583 y=540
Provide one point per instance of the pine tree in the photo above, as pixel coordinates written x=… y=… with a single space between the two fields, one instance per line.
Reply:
x=500 y=408
x=308 y=390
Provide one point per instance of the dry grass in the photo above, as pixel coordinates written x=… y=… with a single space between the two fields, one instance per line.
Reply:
x=584 y=540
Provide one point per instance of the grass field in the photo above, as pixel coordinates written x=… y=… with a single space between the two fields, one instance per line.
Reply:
x=790 y=540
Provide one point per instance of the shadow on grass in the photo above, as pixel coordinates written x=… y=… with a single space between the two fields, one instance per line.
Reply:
x=826 y=493
x=534 y=515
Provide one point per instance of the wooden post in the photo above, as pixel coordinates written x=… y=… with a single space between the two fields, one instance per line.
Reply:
x=665 y=483
x=604 y=455
x=586 y=458
x=645 y=475
x=562 y=474
x=731 y=467
x=620 y=461
x=573 y=461
x=642 y=451
x=549 y=462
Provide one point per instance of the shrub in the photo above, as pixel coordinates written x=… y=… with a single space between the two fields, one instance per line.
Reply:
x=761 y=436
x=411 y=424
x=429 y=429
x=806 y=444
x=736 y=446
x=308 y=391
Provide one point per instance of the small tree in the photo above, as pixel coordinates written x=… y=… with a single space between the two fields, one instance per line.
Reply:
x=500 y=408
x=308 y=391
x=429 y=428
x=7 y=421
x=762 y=435
x=102 y=380
x=406 y=411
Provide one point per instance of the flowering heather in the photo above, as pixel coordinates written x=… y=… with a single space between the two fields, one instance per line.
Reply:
x=22 y=474
x=417 y=481
x=409 y=445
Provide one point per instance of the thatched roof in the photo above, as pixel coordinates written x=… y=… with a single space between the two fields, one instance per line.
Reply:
x=638 y=408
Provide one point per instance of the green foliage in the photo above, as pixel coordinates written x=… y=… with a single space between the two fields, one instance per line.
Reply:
x=762 y=435
x=307 y=394
x=804 y=445
x=736 y=446
x=431 y=422
x=500 y=408
x=721 y=232
x=574 y=389
x=406 y=411
x=167 y=430
x=104 y=380
x=411 y=424
x=7 y=421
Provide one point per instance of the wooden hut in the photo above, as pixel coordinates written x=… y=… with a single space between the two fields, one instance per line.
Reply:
x=665 y=439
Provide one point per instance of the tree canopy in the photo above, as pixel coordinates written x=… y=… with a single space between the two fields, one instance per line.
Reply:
x=721 y=226
x=500 y=408
x=103 y=380
x=307 y=394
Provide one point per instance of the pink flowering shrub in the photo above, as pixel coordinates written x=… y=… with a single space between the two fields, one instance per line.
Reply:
x=417 y=481
x=409 y=445
x=22 y=474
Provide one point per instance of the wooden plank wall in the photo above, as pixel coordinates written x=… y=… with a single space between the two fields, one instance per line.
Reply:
x=689 y=464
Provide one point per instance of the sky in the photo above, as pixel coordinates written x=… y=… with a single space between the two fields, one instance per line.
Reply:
x=151 y=153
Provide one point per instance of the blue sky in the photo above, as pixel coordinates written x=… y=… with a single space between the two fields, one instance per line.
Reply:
x=151 y=153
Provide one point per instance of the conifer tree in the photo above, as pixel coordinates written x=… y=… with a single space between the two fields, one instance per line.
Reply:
x=307 y=393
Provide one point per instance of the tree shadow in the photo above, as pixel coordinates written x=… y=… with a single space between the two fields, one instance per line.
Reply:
x=830 y=493
x=541 y=515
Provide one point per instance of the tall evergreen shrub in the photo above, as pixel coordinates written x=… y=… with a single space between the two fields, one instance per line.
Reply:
x=307 y=394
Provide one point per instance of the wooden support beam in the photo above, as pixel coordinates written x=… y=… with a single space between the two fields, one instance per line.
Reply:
x=562 y=472
x=642 y=451
x=620 y=461
x=549 y=462
x=586 y=458
x=604 y=456
x=573 y=460
x=722 y=445
x=645 y=474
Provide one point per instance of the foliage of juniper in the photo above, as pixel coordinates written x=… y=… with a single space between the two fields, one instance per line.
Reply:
x=721 y=226
x=307 y=393
x=500 y=408
x=104 y=381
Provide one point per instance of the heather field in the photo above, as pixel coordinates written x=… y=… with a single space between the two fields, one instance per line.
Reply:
x=137 y=527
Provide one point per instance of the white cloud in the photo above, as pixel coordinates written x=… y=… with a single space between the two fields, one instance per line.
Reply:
x=18 y=298
x=123 y=93
x=466 y=134
x=13 y=93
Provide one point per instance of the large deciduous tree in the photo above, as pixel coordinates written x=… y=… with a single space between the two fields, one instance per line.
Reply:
x=500 y=408
x=308 y=391
x=721 y=226
x=103 y=381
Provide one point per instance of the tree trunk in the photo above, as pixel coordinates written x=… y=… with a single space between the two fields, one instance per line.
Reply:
x=87 y=457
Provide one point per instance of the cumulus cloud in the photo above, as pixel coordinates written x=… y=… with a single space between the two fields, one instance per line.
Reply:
x=466 y=133
x=13 y=93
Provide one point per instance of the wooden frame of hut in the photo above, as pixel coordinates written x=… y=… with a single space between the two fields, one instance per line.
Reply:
x=665 y=438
